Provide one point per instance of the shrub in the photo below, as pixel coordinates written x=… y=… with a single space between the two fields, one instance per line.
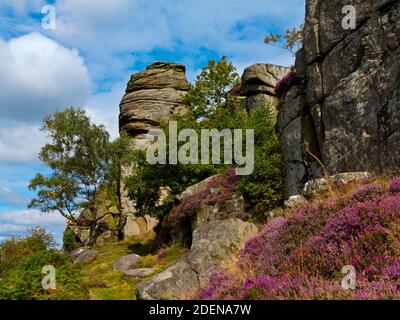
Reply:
x=13 y=251
x=25 y=281
x=21 y=269
x=263 y=189
x=69 y=240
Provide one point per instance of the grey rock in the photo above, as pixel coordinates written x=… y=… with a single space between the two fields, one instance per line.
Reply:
x=351 y=115
x=126 y=263
x=84 y=255
x=262 y=78
x=139 y=272
x=317 y=186
x=295 y=201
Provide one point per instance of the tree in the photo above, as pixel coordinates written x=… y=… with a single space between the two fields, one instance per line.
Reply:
x=292 y=40
x=210 y=91
x=82 y=159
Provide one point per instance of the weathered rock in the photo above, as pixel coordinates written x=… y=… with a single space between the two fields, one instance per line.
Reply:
x=350 y=116
x=159 y=75
x=317 y=186
x=179 y=225
x=83 y=255
x=262 y=78
x=192 y=190
x=126 y=263
x=213 y=244
x=258 y=85
x=295 y=201
x=152 y=96
x=139 y=272
x=139 y=226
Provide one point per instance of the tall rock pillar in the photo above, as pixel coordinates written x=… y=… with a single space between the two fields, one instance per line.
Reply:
x=153 y=95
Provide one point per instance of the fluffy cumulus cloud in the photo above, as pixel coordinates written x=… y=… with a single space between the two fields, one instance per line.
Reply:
x=39 y=76
x=123 y=33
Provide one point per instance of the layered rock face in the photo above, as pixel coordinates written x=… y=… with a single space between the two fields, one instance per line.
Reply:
x=346 y=112
x=152 y=96
x=259 y=82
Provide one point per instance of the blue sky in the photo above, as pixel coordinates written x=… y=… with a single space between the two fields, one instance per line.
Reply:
x=87 y=60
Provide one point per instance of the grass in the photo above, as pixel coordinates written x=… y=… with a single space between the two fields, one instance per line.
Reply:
x=106 y=284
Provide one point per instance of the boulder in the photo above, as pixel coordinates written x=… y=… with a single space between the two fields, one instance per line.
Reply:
x=153 y=95
x=126 y=263
x=213 y=245
x=262 y=78
x=295 y=201
x=258 y=85
x=83 y=255
x=178 y=225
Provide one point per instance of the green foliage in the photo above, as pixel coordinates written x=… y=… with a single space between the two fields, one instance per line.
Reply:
x=210 y=90
x=13 y=251
x=82 y=159
x=21 y=266
x=292 y=40
x=69 y=241
x=263 y=189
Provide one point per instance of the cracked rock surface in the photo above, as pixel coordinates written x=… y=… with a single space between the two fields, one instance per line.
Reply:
x=346 y=112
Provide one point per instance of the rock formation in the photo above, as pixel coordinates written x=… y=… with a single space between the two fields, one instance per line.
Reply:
x=152 y=96
x=259 y=82
x=346 y=111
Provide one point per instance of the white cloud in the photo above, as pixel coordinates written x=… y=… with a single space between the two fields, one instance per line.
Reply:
x=38 y=76
x=20 y=142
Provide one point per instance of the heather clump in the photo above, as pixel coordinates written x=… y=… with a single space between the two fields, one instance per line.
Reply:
x=301 y=255
x=395 y=184
x=220 y=189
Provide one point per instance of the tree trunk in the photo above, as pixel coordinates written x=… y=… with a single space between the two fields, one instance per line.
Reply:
x=92 y=235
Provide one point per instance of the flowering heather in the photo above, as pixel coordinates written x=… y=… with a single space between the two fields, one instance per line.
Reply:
x=218 y=190
x=395 y=184
x=283 y=86
x=301 y=255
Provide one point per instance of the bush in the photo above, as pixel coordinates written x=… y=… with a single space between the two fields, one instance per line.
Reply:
x=395 y=184
x=13 y=251
x=25 y=281
x=69 y=240
x=21 y=269
x=263 y=190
